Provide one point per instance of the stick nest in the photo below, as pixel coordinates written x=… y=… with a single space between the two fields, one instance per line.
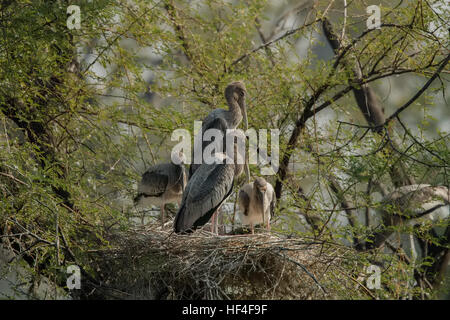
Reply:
x=150 y=263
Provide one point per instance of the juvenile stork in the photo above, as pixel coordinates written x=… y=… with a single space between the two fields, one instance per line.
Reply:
x=257 y=203
x=235 y=94
x=163 y=183
x=206 y=190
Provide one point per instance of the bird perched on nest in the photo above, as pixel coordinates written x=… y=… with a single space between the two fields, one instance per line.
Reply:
x=207 y=189
x=163 y=183
x=257 y=203
x=221 y=119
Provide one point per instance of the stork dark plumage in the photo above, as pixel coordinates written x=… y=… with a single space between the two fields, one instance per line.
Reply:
x=162 y=183
x=206 y=190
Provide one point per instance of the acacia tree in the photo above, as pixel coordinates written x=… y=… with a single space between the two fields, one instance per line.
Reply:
x=84 y=111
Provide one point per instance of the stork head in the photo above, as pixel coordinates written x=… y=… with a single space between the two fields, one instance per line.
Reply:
x=178 y=158
x=260 y=184
x=236 y=91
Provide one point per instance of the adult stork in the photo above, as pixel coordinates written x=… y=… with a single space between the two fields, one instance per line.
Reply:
x=235 y=94
x=163 y=183
x=208 y=187
x=257 y=203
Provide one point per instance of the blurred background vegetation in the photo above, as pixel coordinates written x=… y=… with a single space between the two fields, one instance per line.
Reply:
x=83 y=113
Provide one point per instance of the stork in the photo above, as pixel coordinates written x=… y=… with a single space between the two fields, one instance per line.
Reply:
x=163 y=183
x=257 y=203
x=208 y=187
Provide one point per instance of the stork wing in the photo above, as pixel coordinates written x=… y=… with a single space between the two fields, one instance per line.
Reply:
x=208 y=122
x=204 y=193
x=158 y=178
x=212 y=121
x=244 y=201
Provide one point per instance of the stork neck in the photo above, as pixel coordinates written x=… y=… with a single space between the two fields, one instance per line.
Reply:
x=238 y=169
x=235 y=111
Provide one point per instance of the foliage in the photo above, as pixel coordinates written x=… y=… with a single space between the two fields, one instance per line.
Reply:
x=84 y=112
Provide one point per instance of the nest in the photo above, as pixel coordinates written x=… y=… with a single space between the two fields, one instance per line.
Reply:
x=150 y=263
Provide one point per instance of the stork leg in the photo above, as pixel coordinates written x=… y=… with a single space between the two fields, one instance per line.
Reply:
x=213 y=221
x=252 y=228
x=263 y=223
x=216 y=223
x=162 y=216
x=221 y=227
x=219 y=219
x=267 y=226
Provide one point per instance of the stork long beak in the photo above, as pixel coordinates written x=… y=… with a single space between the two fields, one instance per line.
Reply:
x=244 y=114
x=263 y=192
